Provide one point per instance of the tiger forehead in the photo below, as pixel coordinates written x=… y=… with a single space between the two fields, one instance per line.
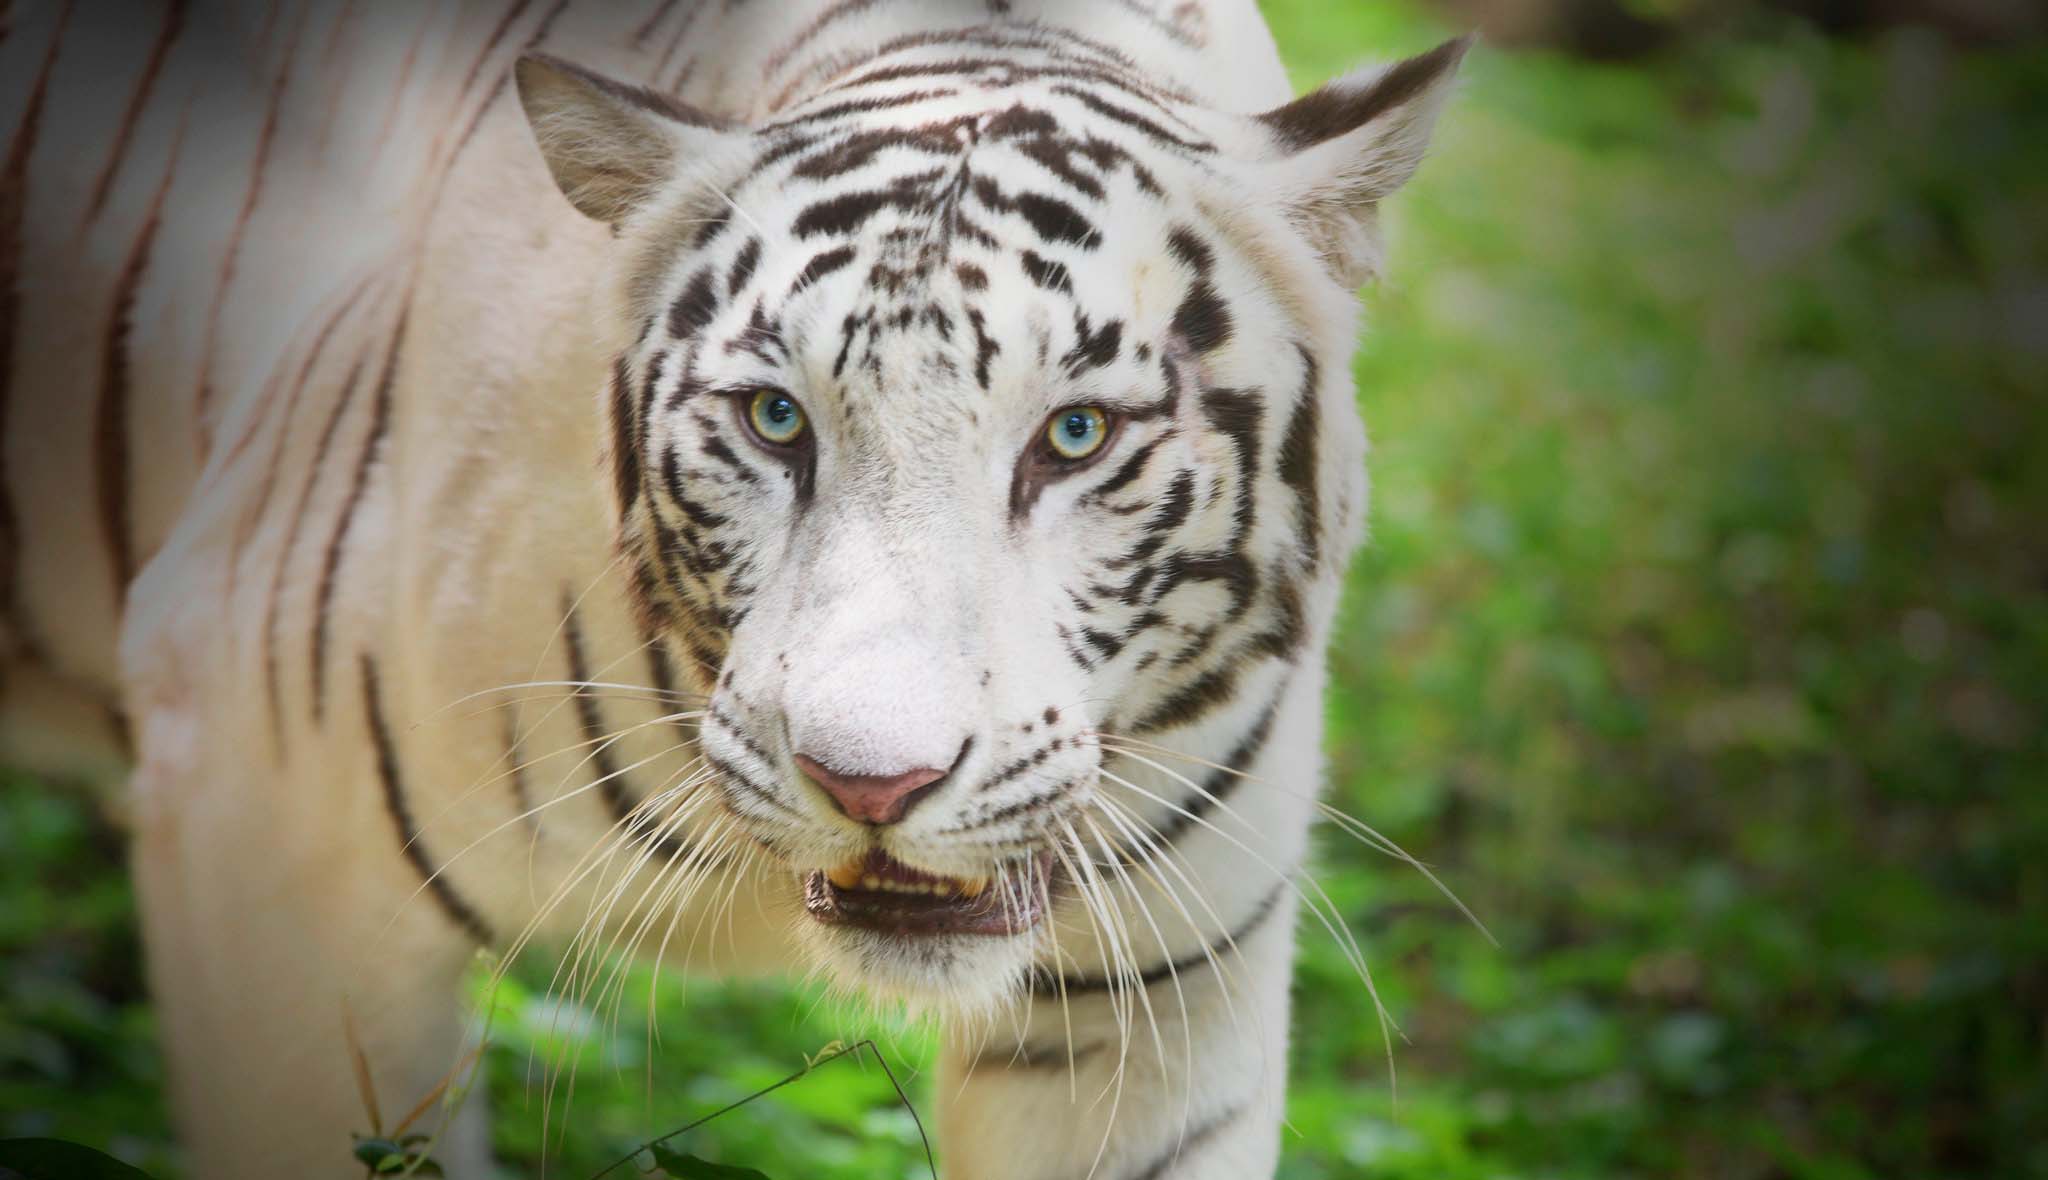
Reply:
x=954 y=160
x=951 y=225
x=928 y=275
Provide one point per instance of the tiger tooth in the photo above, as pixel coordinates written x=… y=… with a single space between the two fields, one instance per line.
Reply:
x=846 y=876
x=971 y=889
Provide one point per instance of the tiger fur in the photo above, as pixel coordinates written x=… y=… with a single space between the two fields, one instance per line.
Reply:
x=395 y=527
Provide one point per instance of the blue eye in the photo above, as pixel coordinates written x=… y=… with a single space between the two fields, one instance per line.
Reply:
x=1077 y=432
x=776 y=417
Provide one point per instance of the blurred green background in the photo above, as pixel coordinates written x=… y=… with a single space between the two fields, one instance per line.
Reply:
x=1700 y=645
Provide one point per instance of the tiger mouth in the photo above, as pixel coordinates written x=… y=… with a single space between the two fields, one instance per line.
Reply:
x=880 y=893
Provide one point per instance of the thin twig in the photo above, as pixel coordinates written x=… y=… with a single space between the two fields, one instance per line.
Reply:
x=827 y=1059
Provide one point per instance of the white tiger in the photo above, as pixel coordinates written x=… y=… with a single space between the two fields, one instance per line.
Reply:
x=977 y=467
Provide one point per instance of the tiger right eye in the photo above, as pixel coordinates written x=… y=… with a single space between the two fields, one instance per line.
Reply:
x=1077 y=432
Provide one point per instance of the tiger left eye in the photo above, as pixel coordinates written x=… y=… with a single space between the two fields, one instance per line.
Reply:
x=776 y=417
x=1077 y=432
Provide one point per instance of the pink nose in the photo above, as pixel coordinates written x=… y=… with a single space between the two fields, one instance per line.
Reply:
x=872 y=798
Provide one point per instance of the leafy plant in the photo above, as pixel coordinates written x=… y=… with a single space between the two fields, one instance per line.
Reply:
x=54 y=1159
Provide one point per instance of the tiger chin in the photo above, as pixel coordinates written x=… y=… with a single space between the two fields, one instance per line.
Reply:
x=976 y=470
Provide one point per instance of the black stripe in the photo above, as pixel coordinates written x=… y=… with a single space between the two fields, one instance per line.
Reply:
x=1124 y=474
x=110 y=419
x=743 y=267
x=13 y=211
x=1043 y=983
x=504 y=26
x=174 y=22
x=1054 y=61
x=809 y=33
x=1203 y=318
x=1052 y=219
x=1094 y=348
x=847 y=212
x=1021 y=765
x=821 y=265
x=625 y=440
x=111 y=416
x=1190 y=1141
x=330 y=564
x=287 y=407
x=739 y=779
x=515 y=768
x=1190 y=703
x=504 y=79
x=612 y=784
x=1045 y=273
x=653 y=22
x=1133 y=119
x=739 y=733
x=273 y=689
x=266 y=138
x=395 y=804
x=1298 y=461
x=857 y=106
x=1029 y=1056
x=855 y=149
x=1218 y=784
x=696 y=306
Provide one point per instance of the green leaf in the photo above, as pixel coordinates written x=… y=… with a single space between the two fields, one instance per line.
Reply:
x=684 y=1166
x=53 y=1159
x=372 y=1151
x=387 y=1157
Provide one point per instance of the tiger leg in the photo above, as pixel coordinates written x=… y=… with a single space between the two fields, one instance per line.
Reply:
x=1185 y=1081
x=261 y=920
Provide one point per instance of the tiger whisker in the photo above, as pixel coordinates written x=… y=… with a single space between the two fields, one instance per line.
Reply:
x=1337 y=930
x=428 y=879
x=520 y=735
x=593 y=860
x=673 y=874
x=562 y=625
x=679 y=890
x=1128 y=822
x=601 y=744
x=1330 y=921
x=1123 y=935
x=654 y=977
x=1173 y=973
x=1120 y=977
x=1365 y=833
x=608 y=696
x=583 y=948
x=573 y=686
x=1334 y=919
x=598 y=915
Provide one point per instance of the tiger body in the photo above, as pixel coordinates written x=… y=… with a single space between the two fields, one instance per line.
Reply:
x=455 y=606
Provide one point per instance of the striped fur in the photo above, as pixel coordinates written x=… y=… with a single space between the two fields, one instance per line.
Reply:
x=304 y=361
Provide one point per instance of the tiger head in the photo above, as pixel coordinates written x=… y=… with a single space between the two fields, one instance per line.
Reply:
x=978 y=412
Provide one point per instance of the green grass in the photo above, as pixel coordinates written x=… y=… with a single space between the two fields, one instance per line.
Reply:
x=1700 y=645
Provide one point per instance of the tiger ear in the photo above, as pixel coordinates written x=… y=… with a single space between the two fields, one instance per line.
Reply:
x=611 y=146
x=1337 y=151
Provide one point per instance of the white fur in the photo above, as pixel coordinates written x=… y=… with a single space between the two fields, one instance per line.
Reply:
x=271 y=891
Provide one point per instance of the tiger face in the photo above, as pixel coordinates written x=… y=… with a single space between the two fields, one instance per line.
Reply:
x=970 y=412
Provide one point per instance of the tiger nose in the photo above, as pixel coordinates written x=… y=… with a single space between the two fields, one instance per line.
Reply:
x=872 y=798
